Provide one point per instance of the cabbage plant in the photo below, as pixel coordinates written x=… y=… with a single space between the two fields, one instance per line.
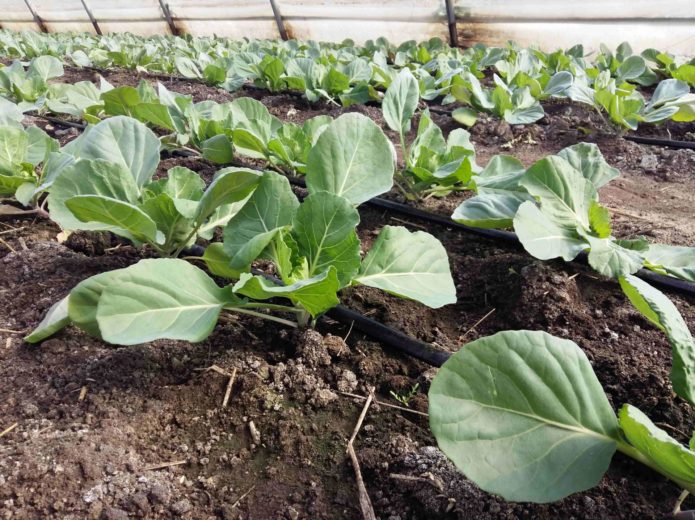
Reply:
x=29 y=161
x=313 y=246
x=432 y=165
x=109 y=186
x=555 y=210
x=522 y=414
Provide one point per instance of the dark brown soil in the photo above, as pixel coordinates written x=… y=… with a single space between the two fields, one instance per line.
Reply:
x=92 y=420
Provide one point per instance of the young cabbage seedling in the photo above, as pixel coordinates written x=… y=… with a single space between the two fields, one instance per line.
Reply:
x=432 y=165
x=29 y=161
x=313 y=246
x=314 y=243
x=554 y=209
x=109 y=187
x=522 y=414
x=28 y=87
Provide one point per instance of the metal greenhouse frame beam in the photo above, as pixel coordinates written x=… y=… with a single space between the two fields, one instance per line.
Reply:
x=91 y=17
x=278 y=20
x=169 y=19
x=451 y=18
x=37 y=19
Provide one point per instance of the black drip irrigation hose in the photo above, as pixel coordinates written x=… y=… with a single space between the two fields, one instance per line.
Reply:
x=657 y=141
x=659 y=280
x=391 y=337
x=372 y=328
x=652 y=141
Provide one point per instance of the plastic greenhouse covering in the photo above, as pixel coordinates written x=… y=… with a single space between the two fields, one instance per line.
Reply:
x=549 y=23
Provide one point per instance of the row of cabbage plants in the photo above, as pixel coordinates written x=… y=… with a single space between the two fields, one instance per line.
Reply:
x=520 y=413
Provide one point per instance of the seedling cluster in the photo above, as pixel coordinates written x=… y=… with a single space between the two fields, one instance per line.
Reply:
x=520 y=413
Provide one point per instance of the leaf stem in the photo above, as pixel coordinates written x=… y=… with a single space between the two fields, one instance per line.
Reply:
x=185 y=241
x=269 y=306
x=264 y=316
x=637 y=455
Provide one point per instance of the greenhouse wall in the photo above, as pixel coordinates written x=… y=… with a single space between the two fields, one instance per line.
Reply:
x=669 y=26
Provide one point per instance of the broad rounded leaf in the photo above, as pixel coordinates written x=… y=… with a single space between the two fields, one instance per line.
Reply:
x=522 y=415
x=123 y=218
x=465 y=116
x=666 y=91
x=352 y=158
x=611 y=259
x=565 y=195
x=120 y=140
x=400 y=101
x=271 y=207
x=544 y=239
x=412 y=265
x=160 y=298
x=89 y=178
x=46 y=67
x=503 y=172
x=632 y=68
x=587 y=158
x=324 y=229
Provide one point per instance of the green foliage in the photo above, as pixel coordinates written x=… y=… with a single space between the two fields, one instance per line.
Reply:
x=28 y=87
x=554 y=209
x=659 y=310
x=28 y=159
x=523 y=415
x=313 y=245
x=110 y=188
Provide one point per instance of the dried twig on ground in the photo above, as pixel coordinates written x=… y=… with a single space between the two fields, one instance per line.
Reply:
x=365 y=502
x=8 y=429
x=164 y=465
x=228 y=391
x=388 y=405
x=477 y=323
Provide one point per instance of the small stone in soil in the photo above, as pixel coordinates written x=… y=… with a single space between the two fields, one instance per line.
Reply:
x=159 y=493
x=112 y=513
x=181 y=507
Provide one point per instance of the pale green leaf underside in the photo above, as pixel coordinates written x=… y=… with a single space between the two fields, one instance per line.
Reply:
x=544 y=239
x=410 y=265
x=124 y=141
x=522 y=414
x=490 y=210
x=123 y=218
x=159 y=298
x=668 y=454
x=661 y=311
x=352 y=158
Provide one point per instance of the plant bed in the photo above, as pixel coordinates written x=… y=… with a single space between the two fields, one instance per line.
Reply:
x=99 y=426
x=659 y=175
x=149 y=404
